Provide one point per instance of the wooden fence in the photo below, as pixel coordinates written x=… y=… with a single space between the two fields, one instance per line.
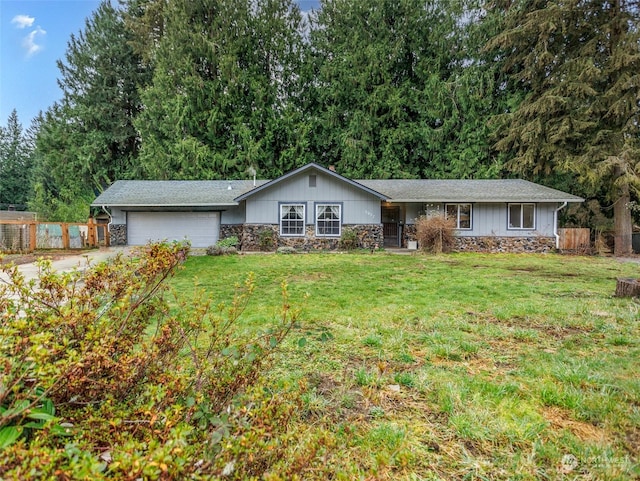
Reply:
x=575 y=240
x=30 y=235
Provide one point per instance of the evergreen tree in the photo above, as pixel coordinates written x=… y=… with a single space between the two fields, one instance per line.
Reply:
x=394 y=90
x=60 y=187
x=89 y=140
x=15 y=162
x=100 y=81
x=578 y=65
x=220 y=98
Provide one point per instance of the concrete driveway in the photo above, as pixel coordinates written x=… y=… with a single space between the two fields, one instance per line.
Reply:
x=68 y=263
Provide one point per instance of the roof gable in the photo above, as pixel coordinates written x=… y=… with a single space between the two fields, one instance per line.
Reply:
x=310 y=167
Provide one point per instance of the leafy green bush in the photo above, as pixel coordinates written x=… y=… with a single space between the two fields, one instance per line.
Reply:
x=141 y=387
x=348 y=239
x=266 y=240
x=232 y=241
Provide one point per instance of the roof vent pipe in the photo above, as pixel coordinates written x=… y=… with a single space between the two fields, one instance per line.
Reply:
x=229 y=186
x=252 y=172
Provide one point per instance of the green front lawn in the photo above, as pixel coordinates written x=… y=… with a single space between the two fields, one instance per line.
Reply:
x=462 y=366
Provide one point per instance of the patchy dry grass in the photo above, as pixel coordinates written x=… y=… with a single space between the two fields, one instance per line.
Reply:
x=462 y=366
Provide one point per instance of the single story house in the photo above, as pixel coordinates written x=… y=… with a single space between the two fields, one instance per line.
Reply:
x=310 y=207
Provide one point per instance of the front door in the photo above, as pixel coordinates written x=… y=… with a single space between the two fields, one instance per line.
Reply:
x=391 y=226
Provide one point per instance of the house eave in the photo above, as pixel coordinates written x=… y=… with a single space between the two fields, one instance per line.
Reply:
x=130 y=205
x=441 y=200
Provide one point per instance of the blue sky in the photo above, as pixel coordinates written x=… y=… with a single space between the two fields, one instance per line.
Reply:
x=33 y=36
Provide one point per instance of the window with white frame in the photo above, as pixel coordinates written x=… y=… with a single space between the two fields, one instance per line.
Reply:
x=328 y=219
x=292 y=219
x=461 y=213
x=522 y=216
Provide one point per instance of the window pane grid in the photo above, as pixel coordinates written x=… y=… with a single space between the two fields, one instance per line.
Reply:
x=292 y=220
x=328 y=220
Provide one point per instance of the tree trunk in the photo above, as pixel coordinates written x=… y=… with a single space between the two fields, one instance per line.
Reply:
x=627 y=288
x=622 y=224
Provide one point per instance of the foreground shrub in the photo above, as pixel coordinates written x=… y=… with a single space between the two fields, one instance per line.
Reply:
x=435 y=233
x=266 y=240
x=218 y=250
x=102 y=377
x=348 y=239
x=231 y=241
x=226 y=246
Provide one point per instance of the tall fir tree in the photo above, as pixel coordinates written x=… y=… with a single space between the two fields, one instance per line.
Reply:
x=89 y=140
x=219 y=102
x=60 y=190
x=393 y=90
x=578 y=66
x=15 y=162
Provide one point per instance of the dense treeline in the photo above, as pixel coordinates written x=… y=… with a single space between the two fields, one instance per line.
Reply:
x=206 y=89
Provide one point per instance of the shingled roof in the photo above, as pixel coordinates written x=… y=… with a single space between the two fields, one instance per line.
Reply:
x=174 y=193
x=206 y=193
x=507 y=190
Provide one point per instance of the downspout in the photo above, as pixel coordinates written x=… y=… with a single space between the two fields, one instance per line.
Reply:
x=555 y=224
x=104 y=208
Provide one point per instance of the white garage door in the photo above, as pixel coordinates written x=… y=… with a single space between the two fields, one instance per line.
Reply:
x=201 y=228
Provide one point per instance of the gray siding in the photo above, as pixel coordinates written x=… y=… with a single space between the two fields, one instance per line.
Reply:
x=118 y=216
x=412 y=212
x=233 y=215
x=358 y=207
x=491 y=219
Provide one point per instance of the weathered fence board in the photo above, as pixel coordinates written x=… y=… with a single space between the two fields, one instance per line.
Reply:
x=575 y=239
x=29 y=235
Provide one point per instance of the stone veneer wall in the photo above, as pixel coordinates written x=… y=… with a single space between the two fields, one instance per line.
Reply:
x=118 y=234
x=369 y=235
x=230 y=230
x=257 y=237
x=538 y=244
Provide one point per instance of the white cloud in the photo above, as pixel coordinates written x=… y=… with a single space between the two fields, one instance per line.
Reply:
x=23 y=21
x=29 y=42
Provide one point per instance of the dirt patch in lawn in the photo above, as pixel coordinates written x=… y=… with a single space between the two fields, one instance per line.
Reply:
x=308 y=277
x=554 y=331
x=632 y=441
x=560 y=419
